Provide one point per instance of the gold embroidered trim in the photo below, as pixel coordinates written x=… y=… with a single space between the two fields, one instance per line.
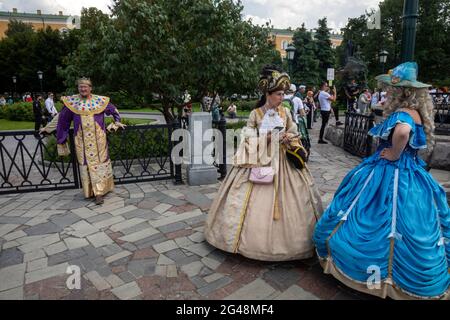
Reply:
x=95 y=105
x=243 y=215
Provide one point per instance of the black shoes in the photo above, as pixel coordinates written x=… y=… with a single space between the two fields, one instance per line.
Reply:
x=338 y=123
x=322 y=142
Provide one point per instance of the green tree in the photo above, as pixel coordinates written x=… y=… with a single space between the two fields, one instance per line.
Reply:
x=305 y=64
x=324 y=50
x=162 y=48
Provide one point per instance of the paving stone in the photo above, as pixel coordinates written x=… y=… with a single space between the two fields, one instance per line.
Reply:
x=139 y=268
x=108 y=207
x=173 y=227
x=198 y=199
x=37 y=254
x=84 y=213
x=110 y=250
x=136 y=228
x=100 y=239
x=12 y=276
x=12 y=294
x=139 y=235
x=127 y=291
x=121 y=211
x=55 y=248
x=255 y=290
x=294 y=292
x=39 y=244
x=7 y=228
x=197 y=237
x=127 y=224
x=37 y=264
x=65 y=256
x=126 y=276
x=36 y=221
x=213 y=286
x=175 y=255
x=183 y=242
x=201 y=249
x=92 y=252
x=14 y=235
x=196 y=220
x=104 y=271
x=282 y=278
x=177 y=218
x=98 y=218
x=46 y=273
x=161 y=208
x=165 y=246
x=118 y=256
x=213 y=277
x=163 y=260
x=108 y=222
x=151 y=241
x=98 y=282
x=211 y=263
x=114 y=281
x=10 y=244
x=12 y=220
x=10 y=257
x=129 y=246
x=192 y=269
x=141 y=213
x=75 y=243
x=172 y=271
x=82 y=229
x=199 y=282
x=205 y=272
x=32 y=213
x=65 y=220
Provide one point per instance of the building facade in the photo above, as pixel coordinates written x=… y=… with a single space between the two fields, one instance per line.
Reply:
x=38 y=20
x=283 y=37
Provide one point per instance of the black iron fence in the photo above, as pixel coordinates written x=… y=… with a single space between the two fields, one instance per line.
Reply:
x=30 y=164
x=139 y=153
x=442 y=117
x=356 y=138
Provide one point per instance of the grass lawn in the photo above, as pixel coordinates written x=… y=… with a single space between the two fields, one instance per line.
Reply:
x=27 y=125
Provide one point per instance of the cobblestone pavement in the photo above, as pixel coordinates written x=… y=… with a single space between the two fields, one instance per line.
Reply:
x=146 y=242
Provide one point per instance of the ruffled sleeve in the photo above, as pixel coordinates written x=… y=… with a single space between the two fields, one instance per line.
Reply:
x=383 y=130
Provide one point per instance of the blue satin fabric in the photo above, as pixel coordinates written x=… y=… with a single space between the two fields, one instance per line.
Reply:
x=421 y=248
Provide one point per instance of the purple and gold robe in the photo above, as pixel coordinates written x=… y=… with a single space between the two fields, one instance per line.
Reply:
x=88 y=116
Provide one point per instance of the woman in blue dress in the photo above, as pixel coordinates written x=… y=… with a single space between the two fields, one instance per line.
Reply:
x=386 y=231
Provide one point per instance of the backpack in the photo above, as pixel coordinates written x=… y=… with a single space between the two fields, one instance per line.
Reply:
x=289 y=103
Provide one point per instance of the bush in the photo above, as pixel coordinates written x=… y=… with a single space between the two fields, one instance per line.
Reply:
x=246 y=105
x=20 y=111
x=132 y=144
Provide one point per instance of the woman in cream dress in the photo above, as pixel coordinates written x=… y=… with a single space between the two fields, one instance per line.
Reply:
x=270 y=222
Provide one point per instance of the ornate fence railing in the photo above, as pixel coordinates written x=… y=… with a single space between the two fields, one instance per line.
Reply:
x=31 y=164
x=139 y=153
x=441 y=103
x=356 y=138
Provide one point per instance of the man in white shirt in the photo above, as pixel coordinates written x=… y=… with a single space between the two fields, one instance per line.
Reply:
x=50 y=106
x=325 y=100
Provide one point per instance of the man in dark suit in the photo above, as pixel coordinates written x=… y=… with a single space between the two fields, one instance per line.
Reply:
x=37 y=111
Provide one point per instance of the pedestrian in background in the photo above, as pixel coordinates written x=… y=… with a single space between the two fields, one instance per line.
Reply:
x=37 y=112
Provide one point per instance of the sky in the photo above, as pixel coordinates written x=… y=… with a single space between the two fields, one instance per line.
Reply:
x=280 y=13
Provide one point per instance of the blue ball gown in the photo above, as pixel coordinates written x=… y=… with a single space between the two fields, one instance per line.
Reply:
x=386 y=231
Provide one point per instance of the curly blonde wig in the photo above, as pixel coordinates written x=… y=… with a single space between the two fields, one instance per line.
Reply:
x=416 y=99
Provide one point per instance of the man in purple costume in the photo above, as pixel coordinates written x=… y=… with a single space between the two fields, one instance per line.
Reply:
x=87 y=112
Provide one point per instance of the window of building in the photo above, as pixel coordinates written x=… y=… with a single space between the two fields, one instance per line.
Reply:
x=284 y=44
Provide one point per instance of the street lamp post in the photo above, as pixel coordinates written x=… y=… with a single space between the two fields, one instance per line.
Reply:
x=290 y=52
x=410 y=15
x=14 y=79
x=40 y=76
x=383 y=58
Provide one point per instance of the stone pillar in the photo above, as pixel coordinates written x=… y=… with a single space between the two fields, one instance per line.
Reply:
x=199 y=172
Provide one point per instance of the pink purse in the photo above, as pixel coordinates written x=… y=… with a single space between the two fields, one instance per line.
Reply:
x=262 y=175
